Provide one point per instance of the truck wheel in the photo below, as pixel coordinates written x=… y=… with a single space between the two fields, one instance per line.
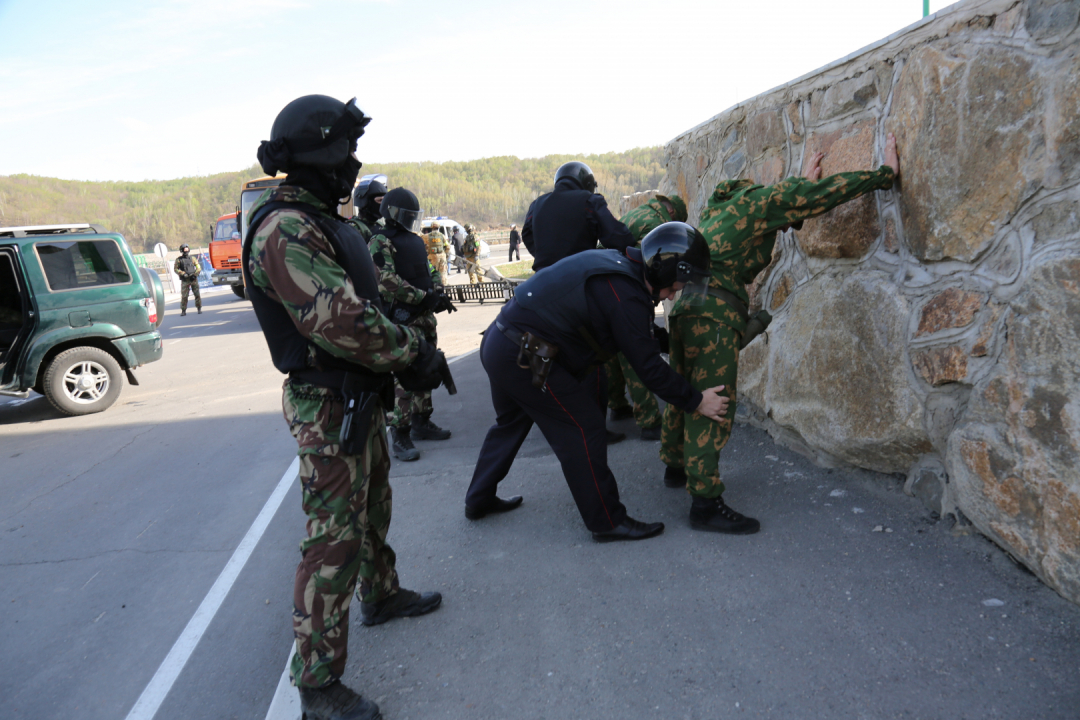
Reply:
x=240 y=291
x=82 y=380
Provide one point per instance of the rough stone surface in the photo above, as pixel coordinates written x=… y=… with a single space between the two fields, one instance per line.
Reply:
x=1014 y=456
x=849 y=230
x=970 y=132
x=950 y=308
x=972 y=392
x=939 y=366
x=835 y=377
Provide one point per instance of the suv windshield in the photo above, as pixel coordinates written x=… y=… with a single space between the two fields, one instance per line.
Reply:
x=84 y=263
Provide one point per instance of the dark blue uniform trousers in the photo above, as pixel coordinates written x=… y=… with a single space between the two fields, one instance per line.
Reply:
x=569 y=413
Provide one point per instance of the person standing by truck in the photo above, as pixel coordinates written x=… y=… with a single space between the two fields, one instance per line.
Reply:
x=188 y=269
x=470 y=250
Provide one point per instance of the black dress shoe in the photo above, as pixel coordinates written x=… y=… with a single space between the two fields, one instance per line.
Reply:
x=403 y=603
x=629 y=529
x=495 y=505
x=713 y=515
x=615 y=437
x=674 y=477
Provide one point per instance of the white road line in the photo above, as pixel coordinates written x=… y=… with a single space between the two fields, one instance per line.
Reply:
x=286 y=702
x=148 y=703
x=453 y=360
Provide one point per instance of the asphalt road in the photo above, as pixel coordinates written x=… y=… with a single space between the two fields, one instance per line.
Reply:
x=116 y=526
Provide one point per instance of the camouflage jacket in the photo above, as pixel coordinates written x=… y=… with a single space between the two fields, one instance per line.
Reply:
x=470 y=249
x=391 y=285
x=740 y=221
x=365 y=229
x=646 y=217
x=294 y=263
x=177 y=269
x=437 y=244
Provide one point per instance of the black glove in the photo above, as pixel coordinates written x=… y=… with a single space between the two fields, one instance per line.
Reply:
x=663 y=337
x=444 y=304
x=429 y=303
x=423 y=373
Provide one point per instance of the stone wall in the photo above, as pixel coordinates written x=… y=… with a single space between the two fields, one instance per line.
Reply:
x=931 y=330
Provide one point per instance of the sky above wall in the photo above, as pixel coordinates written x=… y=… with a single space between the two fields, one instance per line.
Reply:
x=158 y=89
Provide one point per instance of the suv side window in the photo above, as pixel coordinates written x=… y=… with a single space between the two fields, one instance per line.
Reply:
x=82 y=263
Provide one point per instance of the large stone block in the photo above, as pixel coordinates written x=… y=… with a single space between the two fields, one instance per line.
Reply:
x=1013 y=458
x=764 y=130
x=846 y=231
x=837 y=375
x=1049 y=20
x=970 y=135
x=844 y=97
x=951 y=308
x=1063 y=123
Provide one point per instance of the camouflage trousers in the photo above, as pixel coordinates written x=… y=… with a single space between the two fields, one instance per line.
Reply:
x=408 y=405
x=706 y=353
x=347 y=501
x=193 y=286
x=438 y=261
x=621 y=376
x=475 y=271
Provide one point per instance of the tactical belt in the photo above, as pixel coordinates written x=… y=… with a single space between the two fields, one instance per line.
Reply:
x=338 y=379
x=732 y=301
x=512 y=335
x=538 y=353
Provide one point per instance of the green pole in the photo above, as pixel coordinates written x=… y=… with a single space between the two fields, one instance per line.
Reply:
x=925 y=7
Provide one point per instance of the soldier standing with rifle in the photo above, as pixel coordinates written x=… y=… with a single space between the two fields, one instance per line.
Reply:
x=740 y=222
x=312 y=285
x=188 y=269
x=470 y=250
x=437 y=249
x=413 y=291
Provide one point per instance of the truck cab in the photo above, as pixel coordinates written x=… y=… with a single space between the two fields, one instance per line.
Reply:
x=225 y=254
x=76 y=315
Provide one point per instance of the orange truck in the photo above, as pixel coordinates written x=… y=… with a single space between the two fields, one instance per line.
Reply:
x=225 y=254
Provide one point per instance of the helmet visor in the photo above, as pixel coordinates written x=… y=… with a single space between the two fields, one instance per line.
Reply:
x=365 y=183
x=408 y=219
x=695 y=283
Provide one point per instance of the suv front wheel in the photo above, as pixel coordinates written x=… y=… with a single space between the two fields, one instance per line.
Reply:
x=82 y=380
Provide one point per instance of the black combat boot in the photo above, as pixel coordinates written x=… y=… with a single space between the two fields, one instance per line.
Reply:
x=622 y=413
x=713 y=515
x=424 y=429
x=403 y=449
x=403 y=603
x=650 y=434
x=674 y=477
x=183 y=313
x=200 y=311
x=336 y=702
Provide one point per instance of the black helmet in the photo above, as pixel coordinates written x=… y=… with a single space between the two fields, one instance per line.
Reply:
x=184 y=247
x=579 y=172
x=401 y=206
x=315 y=131
x=675 y=252
x=369 y=188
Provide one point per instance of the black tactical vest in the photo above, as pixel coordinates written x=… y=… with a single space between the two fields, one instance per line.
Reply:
x=557 y=296
x=187 y=265
x=288 y=348
x=410 y=257
x=560 y=225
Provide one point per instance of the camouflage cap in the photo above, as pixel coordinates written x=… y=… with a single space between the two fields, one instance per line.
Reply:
x=678 y=204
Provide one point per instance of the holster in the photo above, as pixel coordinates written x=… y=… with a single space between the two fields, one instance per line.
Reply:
x=361 y=402
x=538 y=354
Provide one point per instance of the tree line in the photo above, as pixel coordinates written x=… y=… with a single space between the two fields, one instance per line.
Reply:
x=490 y=192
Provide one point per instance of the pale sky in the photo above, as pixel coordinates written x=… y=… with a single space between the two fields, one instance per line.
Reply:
x=160 y=89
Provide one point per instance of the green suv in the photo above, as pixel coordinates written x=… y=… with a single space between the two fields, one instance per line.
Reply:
x=76 y=314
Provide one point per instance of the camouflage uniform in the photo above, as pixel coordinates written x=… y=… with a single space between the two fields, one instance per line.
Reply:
x=394 y=287
x=189 y=285
x=740 y=222
x=364 y=228
x=640 y=221
x=470 y=250
x=438 y=247
x=346 y=497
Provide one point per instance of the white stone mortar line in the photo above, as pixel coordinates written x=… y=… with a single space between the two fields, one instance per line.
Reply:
x=151 y=698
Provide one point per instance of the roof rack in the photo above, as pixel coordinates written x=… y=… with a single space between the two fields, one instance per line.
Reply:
x=34 y=230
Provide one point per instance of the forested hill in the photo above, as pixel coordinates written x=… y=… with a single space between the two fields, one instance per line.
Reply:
x=491 y=192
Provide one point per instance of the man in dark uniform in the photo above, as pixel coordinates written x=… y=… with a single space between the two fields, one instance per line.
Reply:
x=570 y=219
x=566 y=321
x=313 y=287
x=412 y=291
x=366 y=199
x=188 y=269
x=515 y=240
